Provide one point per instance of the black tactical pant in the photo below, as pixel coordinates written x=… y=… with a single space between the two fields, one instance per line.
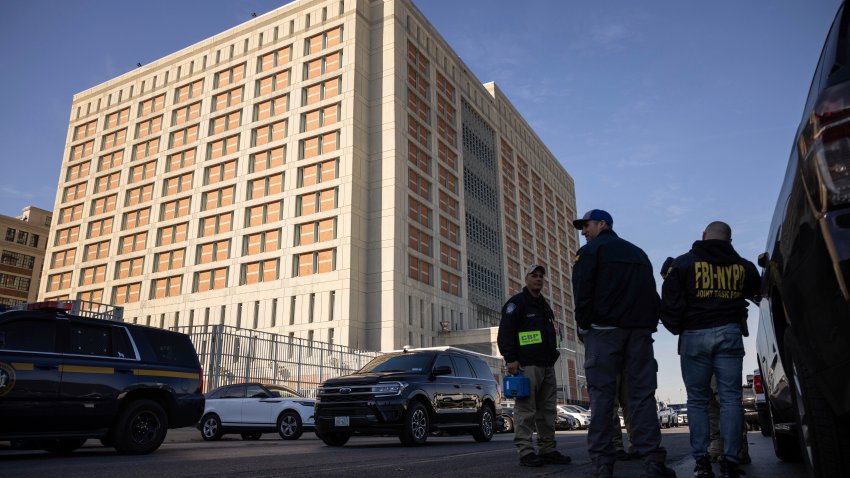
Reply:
x=608 y=352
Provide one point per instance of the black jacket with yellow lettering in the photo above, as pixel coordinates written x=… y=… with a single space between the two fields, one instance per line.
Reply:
x=527 y=331
x=708 y=287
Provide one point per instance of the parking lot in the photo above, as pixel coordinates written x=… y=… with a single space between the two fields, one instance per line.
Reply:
x=184 y=454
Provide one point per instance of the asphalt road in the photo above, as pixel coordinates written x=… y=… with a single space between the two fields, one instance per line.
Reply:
x=184 y=454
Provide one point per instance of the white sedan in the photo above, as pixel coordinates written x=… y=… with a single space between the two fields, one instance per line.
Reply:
x=252 y=409
x=579 y=414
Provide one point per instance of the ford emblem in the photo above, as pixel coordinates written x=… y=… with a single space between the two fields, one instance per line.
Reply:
x=345 y=390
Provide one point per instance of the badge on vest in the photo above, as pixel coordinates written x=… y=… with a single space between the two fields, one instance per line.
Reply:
x=530 y=337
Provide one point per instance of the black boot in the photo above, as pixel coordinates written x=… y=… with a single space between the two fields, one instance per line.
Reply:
x=703 y=468
x=729 y=469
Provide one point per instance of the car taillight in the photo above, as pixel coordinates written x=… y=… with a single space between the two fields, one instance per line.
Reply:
x=827 y=163
x=757 y=387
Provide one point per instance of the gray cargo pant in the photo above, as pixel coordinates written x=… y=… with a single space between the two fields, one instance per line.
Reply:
x=537 y=411
x=609 y=352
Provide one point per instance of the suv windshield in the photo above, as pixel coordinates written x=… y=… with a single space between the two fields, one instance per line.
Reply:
x=411 y=363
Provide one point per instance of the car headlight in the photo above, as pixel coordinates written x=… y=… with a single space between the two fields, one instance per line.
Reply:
x=304 y=403
x=386 y=389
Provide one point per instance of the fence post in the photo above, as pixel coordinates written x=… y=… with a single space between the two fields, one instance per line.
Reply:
x=298 y=375
x=215 y=356
x=321 y=363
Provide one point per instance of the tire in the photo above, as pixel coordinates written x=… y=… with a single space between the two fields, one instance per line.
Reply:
x=416 y=425
x=509 y=425
x=251 y=436
x=63 y=446
x=211 y=427
x=289 y=425
x=140 y=428
x=825 y=446
x=486 y=419
x=334 y=438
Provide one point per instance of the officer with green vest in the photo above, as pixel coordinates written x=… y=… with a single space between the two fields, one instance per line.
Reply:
x=528 y=342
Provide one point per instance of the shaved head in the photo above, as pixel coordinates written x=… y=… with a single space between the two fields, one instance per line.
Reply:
x=718 y=230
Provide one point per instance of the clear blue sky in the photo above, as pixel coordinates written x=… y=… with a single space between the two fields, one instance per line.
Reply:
x=669 y=114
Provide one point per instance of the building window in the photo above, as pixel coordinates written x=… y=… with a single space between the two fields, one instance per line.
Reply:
x=10 y=234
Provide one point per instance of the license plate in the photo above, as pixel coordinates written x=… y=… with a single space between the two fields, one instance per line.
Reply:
x=341 y=421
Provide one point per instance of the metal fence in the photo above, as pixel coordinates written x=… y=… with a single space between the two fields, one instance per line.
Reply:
x=232 y=355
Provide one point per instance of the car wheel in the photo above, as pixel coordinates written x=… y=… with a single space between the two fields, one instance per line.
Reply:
x=141 y=428
x=211 y=428
x=289 y=426
x=825 y=447
x=334 y=438
x=509 y=425
x=251 y=436
x=63 y=446
x=416 y=425
x=484 y=431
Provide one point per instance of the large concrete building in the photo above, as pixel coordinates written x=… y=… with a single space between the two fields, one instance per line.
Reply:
x=331 y=170
x=22 y=255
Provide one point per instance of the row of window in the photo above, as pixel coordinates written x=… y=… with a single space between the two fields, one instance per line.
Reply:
x=22 y=237
x=305 y=264
x=16 y=259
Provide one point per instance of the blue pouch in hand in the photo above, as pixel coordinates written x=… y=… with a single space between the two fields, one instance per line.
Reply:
x=515 y=386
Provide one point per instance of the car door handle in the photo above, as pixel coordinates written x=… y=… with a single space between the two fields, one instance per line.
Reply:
x=126 y=371
x=47 y=367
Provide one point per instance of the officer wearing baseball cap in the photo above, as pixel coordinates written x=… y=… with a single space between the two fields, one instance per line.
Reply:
x=528 y=342
x=617 y=307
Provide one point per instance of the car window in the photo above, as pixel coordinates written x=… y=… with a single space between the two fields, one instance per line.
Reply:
x=256 y=391
x=462 y=368
x=481 y=369
x=20 y=335
x=234 y=391
x=411 y=363
x=122 y=347
x=87 y=339
x=444 y=361
x=170 y=347
x=284 y=392
x=216 y=393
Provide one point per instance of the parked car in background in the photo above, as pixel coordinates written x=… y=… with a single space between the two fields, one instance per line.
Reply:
x=564 y=421
x=765 y=423
x=803 y=342
x=252 y=409
x=578 y=414
x=751 y=416
x=666 y=417
x=507 y=416
x=410 y=394
x=681 y=410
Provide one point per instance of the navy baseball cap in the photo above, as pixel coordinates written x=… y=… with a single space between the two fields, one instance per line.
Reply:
x=594 y=215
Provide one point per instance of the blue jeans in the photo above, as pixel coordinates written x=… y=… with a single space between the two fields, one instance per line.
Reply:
x=718 y=351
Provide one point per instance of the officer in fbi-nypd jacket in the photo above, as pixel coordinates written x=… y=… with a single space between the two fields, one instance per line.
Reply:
x=704 y=298
x=528 y=342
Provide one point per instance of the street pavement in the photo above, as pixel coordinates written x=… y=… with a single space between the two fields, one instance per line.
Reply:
x=185 y=454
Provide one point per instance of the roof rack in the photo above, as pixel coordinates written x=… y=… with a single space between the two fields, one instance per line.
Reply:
x=82 y=308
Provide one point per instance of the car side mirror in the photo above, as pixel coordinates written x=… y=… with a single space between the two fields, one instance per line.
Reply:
x=442 y=370
x=762 y=260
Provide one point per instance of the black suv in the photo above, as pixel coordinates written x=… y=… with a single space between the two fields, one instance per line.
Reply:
x=66 y=378
x=410 y=394
x=803 y=342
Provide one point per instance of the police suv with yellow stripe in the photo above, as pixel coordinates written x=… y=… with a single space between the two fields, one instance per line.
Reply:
x=65 y=378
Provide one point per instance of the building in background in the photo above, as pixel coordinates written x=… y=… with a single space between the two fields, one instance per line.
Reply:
x=330 y=171
x=22 y=255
